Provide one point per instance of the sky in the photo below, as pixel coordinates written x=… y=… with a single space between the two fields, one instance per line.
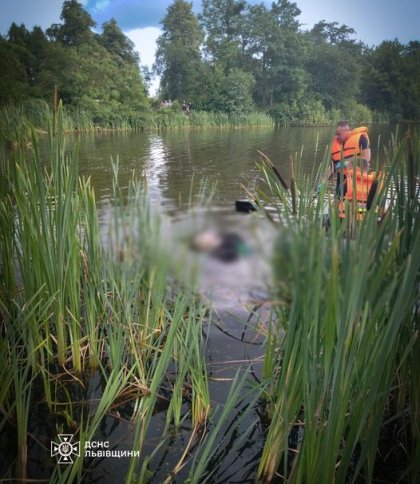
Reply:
x=373 y=20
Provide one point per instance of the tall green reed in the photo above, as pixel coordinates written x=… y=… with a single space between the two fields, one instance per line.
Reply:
x=97 y=301
x=166 y=118
x=346 y=330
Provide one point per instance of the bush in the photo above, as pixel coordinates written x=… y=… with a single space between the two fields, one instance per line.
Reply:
x=357 y=113
x=304 y=112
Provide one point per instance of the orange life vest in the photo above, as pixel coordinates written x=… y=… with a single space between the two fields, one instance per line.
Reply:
x=358 y=186
x=350 y=148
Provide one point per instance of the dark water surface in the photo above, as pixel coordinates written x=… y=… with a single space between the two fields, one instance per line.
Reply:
x=172 y=158
x=175 y=164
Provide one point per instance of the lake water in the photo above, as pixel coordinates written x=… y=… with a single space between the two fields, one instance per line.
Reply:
x=177 y=162
x=226 y=156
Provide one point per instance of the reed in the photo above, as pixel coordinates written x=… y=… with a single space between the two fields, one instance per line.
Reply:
x=190 y=367
x=16 y=120
x=77 y=300
x=170 y=118
x=342 y=348
x=22 y=379
x=206 y=460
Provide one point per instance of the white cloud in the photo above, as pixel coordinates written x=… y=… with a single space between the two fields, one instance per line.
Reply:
x=145 y=44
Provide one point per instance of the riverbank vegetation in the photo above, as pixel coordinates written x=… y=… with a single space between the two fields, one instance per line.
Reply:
x=231 y=61
x=37 y=114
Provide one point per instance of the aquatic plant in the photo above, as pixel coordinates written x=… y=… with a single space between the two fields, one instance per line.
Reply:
x=341 y=352
x=72 y=301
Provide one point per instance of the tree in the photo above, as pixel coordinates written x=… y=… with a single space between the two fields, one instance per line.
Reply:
x=18 y=37
x=229 y=93
x=277 y=49
x=390 y=80
x=37 y=46
x=117 y=43
x=237 y=92
x=178 y=55
x=334 y=64
x=76 y=27
x=225 y=24
x=13 y=79
x=411 y=85
x=332 y=33
x=286 y=14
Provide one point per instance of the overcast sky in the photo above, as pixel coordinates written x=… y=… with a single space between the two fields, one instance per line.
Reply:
x=373 y=20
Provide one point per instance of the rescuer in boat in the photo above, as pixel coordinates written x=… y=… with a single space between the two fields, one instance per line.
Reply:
x=349 y=147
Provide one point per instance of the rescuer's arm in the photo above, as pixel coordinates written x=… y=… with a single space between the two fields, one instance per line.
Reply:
x=365 y=153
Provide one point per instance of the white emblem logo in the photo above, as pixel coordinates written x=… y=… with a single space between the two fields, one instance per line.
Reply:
x=65 y=449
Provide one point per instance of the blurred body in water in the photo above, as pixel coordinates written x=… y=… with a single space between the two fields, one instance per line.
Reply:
x=225 y=246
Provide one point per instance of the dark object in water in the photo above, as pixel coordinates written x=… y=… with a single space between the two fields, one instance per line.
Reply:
x=230 y=247
x=225 y=246
x=244 y=206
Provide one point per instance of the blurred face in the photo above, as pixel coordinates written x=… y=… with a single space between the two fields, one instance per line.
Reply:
x=342 y=133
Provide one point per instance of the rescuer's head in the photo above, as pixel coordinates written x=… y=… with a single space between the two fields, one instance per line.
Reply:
x=342 y=131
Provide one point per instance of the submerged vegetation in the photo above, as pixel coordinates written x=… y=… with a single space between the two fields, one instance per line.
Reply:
x=339 y=394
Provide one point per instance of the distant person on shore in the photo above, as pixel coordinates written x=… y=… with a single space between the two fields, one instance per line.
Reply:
x=187 y=108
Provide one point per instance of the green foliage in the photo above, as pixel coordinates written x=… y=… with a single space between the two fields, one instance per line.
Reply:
x=73 y=298
x=233 y=56
x=340 y=355
x=333 y=63
x=116 y=43
x=356 y=113
x=390 y=81
x=294 y=70
x=175 y=119
x=226 y=29
x=104 y=87
x=236 y=92
x=303 y=112
x=97 y=75
x=13 y=79
x=76 y=27
x=178 y=53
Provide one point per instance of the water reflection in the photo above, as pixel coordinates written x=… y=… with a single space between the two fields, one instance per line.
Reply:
x=156 y=169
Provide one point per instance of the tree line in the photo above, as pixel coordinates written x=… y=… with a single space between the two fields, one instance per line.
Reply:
x=253 y=55
x=233 y=57
x=96 y=73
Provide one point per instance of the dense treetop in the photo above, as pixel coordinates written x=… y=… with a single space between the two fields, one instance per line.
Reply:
x=233 y=57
